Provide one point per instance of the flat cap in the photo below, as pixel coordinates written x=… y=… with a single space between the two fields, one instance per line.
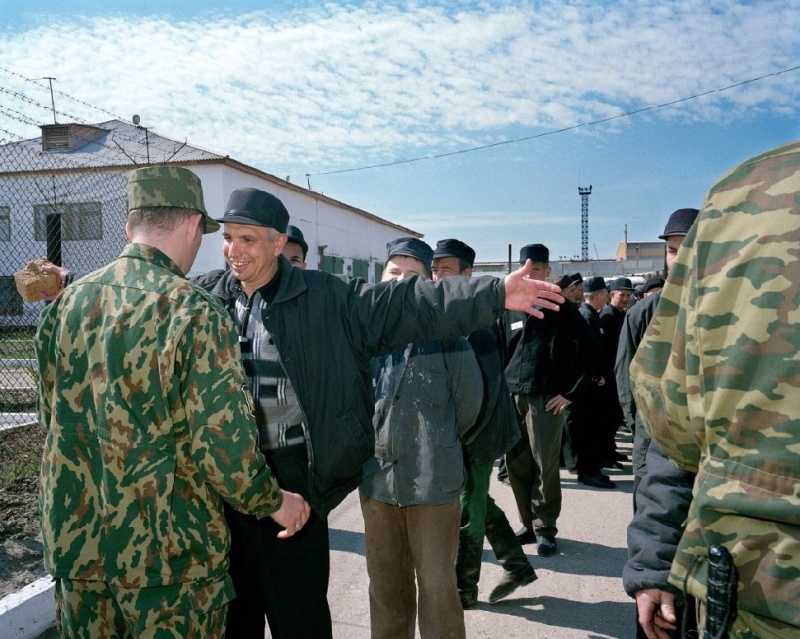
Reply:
x=534 y=253
x=410 y=247
x=594 y=284
x=257 y=208
x=296 y=235
x=651 y=283
x=621 y=284
x=454 y=248
x=168 y=187
x=679 y=223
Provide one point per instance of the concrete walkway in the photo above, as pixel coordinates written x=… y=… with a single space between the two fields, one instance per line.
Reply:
x=579 y=591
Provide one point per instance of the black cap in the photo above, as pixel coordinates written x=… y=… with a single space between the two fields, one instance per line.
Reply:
x=679 y=223
x=594 y=284
x=621 y=284
x=410 y=247
x=565 y=281
x=577 y=278
x=257 y=208
x=653 y=282
x=454 y=248
x=534 y=253
x=295 y=235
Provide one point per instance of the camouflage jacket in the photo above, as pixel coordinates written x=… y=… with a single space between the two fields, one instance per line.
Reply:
x=148 y=428
x=716 y=380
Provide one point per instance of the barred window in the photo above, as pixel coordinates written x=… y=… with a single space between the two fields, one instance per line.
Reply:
x=79 y=220
x=5 y=223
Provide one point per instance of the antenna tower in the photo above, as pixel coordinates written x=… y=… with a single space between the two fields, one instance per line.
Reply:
x=585 y=193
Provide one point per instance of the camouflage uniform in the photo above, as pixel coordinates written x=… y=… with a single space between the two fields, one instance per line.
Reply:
x=142 y=395
x=716 y=382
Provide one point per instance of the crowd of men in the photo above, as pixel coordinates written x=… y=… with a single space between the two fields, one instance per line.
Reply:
x=201 y=432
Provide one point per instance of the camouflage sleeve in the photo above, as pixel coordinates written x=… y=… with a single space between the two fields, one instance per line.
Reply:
x=44 y=344
x=664 y=360
x=219 y=413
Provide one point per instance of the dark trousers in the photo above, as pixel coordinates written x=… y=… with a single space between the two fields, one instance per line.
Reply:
x=285 y=580
x=533 y=465
x=586 y=434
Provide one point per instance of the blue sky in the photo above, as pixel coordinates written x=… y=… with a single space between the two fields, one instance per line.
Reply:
x=317 y=88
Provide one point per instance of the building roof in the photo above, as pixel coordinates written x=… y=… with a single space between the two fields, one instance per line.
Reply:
x=117 y=144
x=108 y=144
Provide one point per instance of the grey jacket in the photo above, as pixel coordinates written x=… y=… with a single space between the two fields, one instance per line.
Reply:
x=426 y=396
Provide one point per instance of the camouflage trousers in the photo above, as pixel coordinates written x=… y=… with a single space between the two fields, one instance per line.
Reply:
x=91 y=609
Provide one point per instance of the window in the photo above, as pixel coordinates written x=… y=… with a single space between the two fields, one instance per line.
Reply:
x=10 y=300
x=361 y=269
x=79 y=220
x=5 y=223
x=332 y=264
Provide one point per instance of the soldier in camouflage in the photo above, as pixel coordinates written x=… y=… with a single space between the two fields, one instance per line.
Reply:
x=716 y=381
x=149 y=430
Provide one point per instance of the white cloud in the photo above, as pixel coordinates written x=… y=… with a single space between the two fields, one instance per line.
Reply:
x=333 y=87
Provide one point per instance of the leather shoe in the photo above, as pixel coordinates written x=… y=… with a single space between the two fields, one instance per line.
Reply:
x=597 y=481
x=510 y=582
x=546 y=545
x=525 y=535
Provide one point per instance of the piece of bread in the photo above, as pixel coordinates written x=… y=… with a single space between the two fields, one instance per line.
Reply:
x=32 y=282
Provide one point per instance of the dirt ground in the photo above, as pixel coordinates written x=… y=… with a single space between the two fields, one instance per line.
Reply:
x=20 y=540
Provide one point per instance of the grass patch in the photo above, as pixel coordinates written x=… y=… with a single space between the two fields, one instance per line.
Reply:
x=16 y=343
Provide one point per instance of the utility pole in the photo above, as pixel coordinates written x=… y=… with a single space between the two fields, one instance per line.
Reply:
x=52 y=99
x=585 y=193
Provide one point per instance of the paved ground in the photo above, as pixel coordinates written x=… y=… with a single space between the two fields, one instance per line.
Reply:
x=579 y=591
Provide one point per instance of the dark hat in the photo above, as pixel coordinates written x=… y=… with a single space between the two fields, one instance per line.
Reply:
x=410 y=247
x=296 y=235
x=565 y=282
x=594 y=284
x=258 y=208
x=577 y=278
x=679 y=222
x=621 y=284
x=454 y=248
x=168 y=187
x=534 y=253
x=653 y=282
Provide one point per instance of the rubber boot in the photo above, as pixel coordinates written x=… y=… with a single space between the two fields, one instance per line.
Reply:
x=518 y=571
x=468 y=569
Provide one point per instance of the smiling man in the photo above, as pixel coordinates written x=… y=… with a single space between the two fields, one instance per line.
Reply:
x=306 y=339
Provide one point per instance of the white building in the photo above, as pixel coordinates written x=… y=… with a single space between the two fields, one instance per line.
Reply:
x=63 y=196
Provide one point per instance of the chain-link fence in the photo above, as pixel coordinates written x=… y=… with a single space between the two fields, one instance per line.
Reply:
x=70 y=216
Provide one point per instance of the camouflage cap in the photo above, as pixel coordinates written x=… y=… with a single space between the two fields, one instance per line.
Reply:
x=168 y=187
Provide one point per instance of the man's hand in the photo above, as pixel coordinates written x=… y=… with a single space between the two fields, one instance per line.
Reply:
x=529 y=295
x=558 y=404
x=292 y=515
x=656 y=610
x=62 y=274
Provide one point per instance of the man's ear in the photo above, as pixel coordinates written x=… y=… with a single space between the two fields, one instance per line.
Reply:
x=194 y=227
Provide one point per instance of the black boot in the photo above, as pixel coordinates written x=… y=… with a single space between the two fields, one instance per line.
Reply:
x=508 y=550
x=468 y=569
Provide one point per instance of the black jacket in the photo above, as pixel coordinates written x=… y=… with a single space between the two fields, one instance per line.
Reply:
x=550 y=356
x=326 y=330
x=496 y=430
x=633 y=329
x=662 y=504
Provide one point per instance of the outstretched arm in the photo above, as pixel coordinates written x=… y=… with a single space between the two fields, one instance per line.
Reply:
x=529 y=295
